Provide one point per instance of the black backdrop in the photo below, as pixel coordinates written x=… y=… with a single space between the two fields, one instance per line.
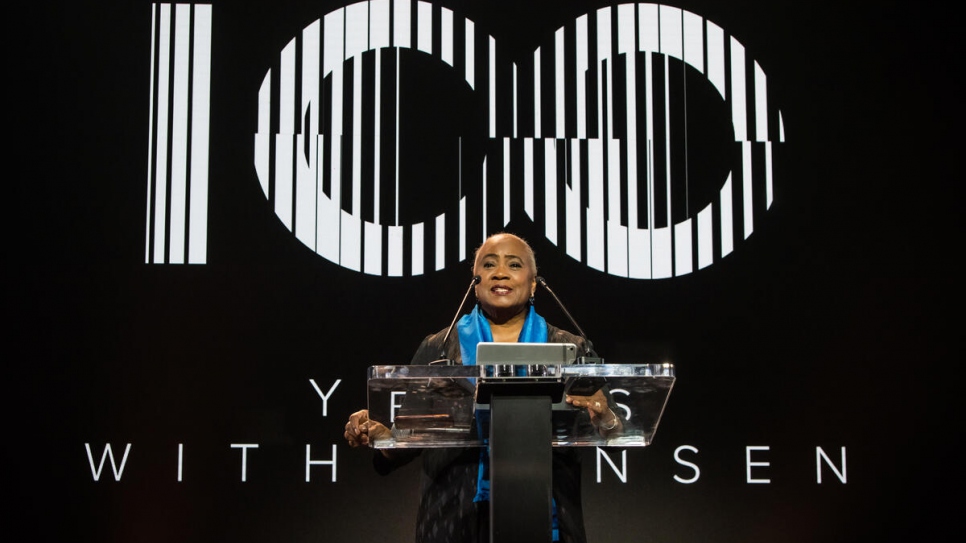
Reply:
x=832 y=326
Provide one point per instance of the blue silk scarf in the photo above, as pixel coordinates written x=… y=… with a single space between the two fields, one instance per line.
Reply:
x=474 y=329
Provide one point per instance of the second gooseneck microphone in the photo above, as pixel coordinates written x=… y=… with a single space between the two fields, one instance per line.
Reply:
x=442 y=350
x=589 y=356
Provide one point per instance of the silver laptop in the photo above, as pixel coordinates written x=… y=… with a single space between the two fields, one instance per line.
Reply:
x=562 y=354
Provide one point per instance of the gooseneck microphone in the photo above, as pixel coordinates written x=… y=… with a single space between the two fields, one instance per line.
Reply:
x=589 y=357
x=442 y=352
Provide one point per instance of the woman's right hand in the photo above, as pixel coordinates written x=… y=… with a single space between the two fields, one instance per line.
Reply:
x=361 y=430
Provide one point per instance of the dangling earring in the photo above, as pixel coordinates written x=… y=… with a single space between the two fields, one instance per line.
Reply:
x=531 y=299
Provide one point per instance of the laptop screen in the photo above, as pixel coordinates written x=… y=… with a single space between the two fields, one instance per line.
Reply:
x=526 y=353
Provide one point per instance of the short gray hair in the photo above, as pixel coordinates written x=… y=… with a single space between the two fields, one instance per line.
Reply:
x=531 y=257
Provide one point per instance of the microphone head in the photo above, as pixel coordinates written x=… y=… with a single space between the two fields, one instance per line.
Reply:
x=477 y=279
x=543 y=283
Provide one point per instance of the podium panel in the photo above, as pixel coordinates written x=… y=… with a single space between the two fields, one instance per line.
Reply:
x=448 y=406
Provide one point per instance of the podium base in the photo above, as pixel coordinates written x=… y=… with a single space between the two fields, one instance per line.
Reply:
x=520 y=469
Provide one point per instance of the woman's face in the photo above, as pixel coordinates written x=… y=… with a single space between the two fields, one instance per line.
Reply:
x=507 y=276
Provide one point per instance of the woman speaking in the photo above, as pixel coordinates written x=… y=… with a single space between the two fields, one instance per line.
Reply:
x=454 y=504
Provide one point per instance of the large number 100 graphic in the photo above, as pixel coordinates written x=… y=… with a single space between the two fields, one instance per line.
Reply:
x=393 y=136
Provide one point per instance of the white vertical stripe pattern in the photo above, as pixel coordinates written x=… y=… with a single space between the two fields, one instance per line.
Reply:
x=515 y=98
x=150 y=179
x=528 y=177
x=648 y=22
x=550 y=189
x=372 y=259
x=616 y=233
x=623 y=255
x=747 y=210
x=463 y=254
x=761 y=104
x=604 y=54
x=377 y=143
x=581 y=63
x=639 y=252
x=633 y=251
x=395 y=250
x=706 y=236
x=263 y=137
x=616 y=245
x=357 y=41
x=417 y=244
x=424 y=27
x=350 y=249
x=625 y=29
x=652 y=235
x=649 y=135
x=402 y=21
x=397 y=124
x=201 y=89
x=727 y=219
x=559 y=83
x=306 y=172
x=323 y=205
x=179 y=133
x=491 y=70
x=470 y=55
x=351 y=225
x=440 y=241
x=446 y=36
x=329 y=216
x=619 y=248
x=357 y=137
x=536 y=93
x=378 y=24
x=716 y=58
x=161 y=159
x=682 y=248
x=661 y=264
x=693 y=41
x=667 y=140
x=356 y=29
x=671 y=36
x=284 y=146
x=769 y=189
x=572 y=202
x=595 y=204
x=739 y=117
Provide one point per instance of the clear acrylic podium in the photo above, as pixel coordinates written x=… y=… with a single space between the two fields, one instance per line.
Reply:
x=519 y=413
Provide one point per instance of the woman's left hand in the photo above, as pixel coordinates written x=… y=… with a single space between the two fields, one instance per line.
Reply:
x=600 y=413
